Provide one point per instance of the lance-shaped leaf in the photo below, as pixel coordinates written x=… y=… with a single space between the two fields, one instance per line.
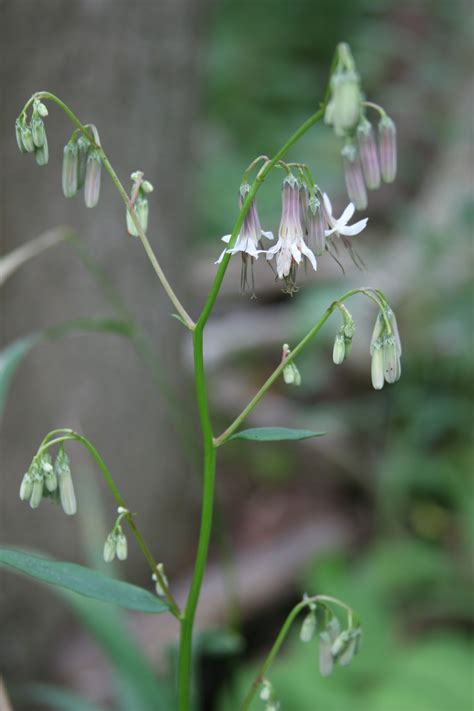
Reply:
x=82 y=580
x=275 y=434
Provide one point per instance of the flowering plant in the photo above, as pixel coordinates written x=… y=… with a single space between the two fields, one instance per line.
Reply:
x=308 y=229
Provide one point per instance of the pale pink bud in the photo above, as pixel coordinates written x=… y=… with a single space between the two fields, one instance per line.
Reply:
x=387 y=149
x=368 y=154
x=354 y=179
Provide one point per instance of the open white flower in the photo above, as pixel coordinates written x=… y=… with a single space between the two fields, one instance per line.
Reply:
x=290 y=248
x=250 y=234
x=340 y=226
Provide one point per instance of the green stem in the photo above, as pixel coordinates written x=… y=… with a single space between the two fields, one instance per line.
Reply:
x=269 y=659
x=183 y=314
x=218 y=441
x=209 y=472
x=174 y=608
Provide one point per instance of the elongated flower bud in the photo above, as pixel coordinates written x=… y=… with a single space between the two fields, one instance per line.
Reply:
x=42 y=154
x=387 y=149
x=110 y=547
x=18 y=130
x=40 y=109
x=142 y=212
x=377 y=365
x=377 y=332
x=308 y=628
x=70 y=169
x=92 y=180
x=36 y=492
x=158 y=587
x=368 y=154
x=354 y=179
x=27 y=139
x=83 y=146
x=394 y=326
x=122 y=548
x=26 y=487
x=339 y=349
x=316 y=225
x=38 y=131
x=343 y=110
x=66 y=487
x=391 y=360
x=325 y=657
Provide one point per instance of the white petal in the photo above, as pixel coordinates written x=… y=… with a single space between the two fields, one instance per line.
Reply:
x=308 y=253
x=328 y=233
x=218 y=261
x=268 y=235
x=354 y=229
x=327 y=204
x=347 y=214
x=226 y=238
x=296 y=253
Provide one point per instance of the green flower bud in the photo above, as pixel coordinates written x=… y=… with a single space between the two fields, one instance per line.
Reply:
x=291 y=375
x=121 y=546
x=42 y=154
x=394 y=326
x=339 y=349
x=141 y=207
x=377 y=332
x=92 y=180
x=158 y=587
x=26 y=487
x=147 y=187
x=83 y=146
x=308 y=627
x=266 y=690
x=377 y=365
x=343 y=110
x=387 y=149
x=368 y=154
x=110 y=548
x=41 y=109
x=131 y=229
x=36 y=492
x=391 y=360
x=27 y=139
x=325 y=657
x=66 y=488
x=70 y=169
x=38 y=131
x=18 y=130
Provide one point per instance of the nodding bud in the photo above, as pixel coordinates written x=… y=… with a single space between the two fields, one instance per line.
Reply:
x=42 y=153
x=391 y=360
x=36 y=493
x=377 y=365
x=325 y=657
x=266 y=690
x=70 y=169
x=387 y=149
x=83 y=146
x=27 y=139
x=368 y=154
x=66 y=487
x=339 y=349
x=377 y=332
x=18 y=129
x=308 y=628
x=158 y=586
x=354 y=179
x=40 y=108
x=121 y=548
x=50 y=480
x=147 y=187
x=26 y=487
x=343 y=110
x=92 y=179
x=38 y=131
x=395 y=332
x=316 y=225
x=110 y=547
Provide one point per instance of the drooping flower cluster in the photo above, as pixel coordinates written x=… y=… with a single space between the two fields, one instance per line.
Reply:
x=43 y=479
x=82 y=167
x=31 y=135
x=385 y=349
x=139 y=200
x=366 y=161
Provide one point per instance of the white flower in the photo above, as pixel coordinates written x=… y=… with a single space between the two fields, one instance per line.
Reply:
x=290 y=247
x=250 y=234
x=340 y=226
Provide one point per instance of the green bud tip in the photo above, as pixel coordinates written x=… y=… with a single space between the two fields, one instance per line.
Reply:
x=42 y=153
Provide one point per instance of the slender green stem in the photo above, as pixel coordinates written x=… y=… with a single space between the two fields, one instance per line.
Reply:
x=269 y=659
x=74 y=436
x=209 y=472
x=183 y=314
x=218 y=441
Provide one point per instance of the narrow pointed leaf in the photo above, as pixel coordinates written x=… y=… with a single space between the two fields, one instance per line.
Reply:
x=275 y=434
x=82 y=580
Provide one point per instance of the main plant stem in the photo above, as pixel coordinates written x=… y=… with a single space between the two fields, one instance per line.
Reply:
x=209 y=473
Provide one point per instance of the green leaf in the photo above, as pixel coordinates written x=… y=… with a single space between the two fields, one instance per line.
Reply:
x=275 y=434
x=82 y=580
x=13 y=354
x=9 y=263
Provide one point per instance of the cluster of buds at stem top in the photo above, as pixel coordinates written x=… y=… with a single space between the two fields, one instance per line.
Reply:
x=291 y=374
x=343 y=341
x=31 y=135
x=248 y=242
x=139 y=201
x=336 y=646
x=268 y=696
x=82 y=167
x=385 y=349
x=43 y=479
x=345 y=102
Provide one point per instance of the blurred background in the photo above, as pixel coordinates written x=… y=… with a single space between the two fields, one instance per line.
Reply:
x=379 y=512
